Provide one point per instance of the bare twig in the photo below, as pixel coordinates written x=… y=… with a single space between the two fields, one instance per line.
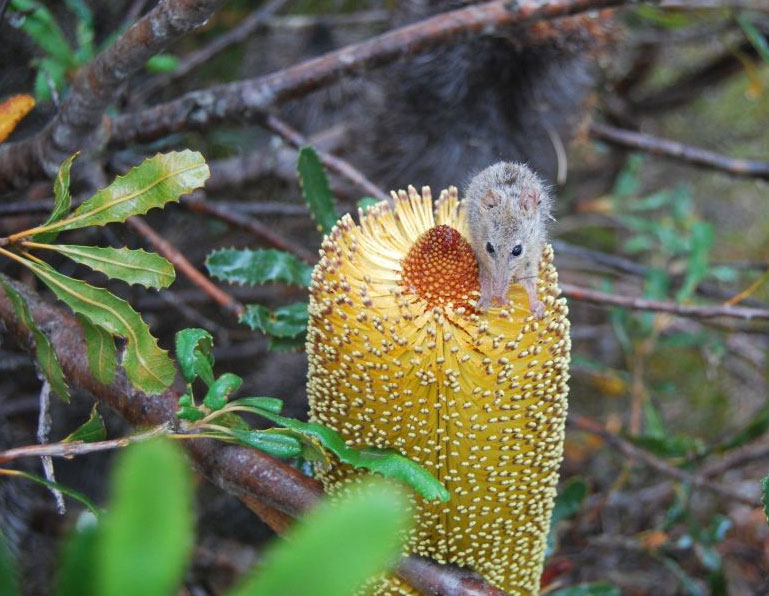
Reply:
x=246 y=99
x=683 y=310
x=336 y=164
x=627 y=449
x=180 y=262
x=95 y=88
x=737 y=459
x=248 y=474
x=685 y=153
x=760 y=5
x=44 y=421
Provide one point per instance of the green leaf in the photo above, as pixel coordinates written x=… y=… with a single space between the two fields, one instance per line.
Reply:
x=62 y=200
x=567 y=503
x=147 y=533
x=9 y=583
x=387 y=462
x=100 y=350
x=162 y=63
x=258 y=267
x=131 y=266
x=41 y=26
x=76 y=568
x=277 y=445
x=284 y=321
x=337 y=547
x=367 y=203
x=91 y=431
x=193 y=352
x=597 y=589
x=287 y=344
x=315 y=189
x=77 y=495
x=220 y=390
x=758 y=425
x=187 y=409
x=271 y=404
x=765 y=496
x=697 y=266
x=755 y=37
x=155 y=182
x=147 y=366
x=44 y=351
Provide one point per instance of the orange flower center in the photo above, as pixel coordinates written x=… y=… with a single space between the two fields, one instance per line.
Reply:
x=441 y=268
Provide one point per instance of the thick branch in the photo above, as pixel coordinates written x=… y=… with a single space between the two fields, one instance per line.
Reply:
x=96 y=87
x=261 y=481
x=246 y=99
x=685 y=153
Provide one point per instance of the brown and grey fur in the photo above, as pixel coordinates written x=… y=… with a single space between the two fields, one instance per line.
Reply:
x=507 y=206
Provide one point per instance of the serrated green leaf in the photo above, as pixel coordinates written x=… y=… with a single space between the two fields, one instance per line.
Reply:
x=597 y=589
x=193 y=352
x=387 y=462
x=284 y=321
x=287 y=344
x=147 y=533
x=9 y=582
x=271 y=404
x=162 y=63
x=338 y=546
x=100 y=350
x=91 y=431
x=131 y=266
x=61 y=199
x=147 y=366
x=315 y=189
x=258 y=267
x=277 y=445
x=77 y=563
x=44 y=351
x=220 y=390
x=156 y=181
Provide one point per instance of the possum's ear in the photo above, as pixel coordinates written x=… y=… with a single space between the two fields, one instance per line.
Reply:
x=490 y=200
x=529 y=199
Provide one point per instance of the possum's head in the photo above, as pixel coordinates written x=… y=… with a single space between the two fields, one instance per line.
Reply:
x=507 y=208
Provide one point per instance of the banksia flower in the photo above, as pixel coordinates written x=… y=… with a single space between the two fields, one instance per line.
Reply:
x=400 y=357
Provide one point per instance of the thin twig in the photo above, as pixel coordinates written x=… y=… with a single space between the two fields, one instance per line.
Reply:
x=683 y=310
x=180 y=262
x=629 y=450
x=336 y=164
x=44 y=421
x=685 y=153
x=736 y=460
x=247 y=99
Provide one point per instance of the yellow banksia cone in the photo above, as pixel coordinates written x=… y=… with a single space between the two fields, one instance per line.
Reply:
x=399 y=357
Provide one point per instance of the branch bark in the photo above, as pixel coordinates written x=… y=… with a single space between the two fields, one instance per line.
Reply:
x=95 y=88
x=267 y=485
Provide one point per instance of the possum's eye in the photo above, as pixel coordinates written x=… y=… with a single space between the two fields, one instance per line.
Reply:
x=517 y=250
x=489 y=248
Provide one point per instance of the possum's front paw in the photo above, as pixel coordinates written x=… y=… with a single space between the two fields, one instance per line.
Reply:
x=537 y=308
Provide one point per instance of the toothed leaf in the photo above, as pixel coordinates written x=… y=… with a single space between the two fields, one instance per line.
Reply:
x=284 y=321
x=92 y=430
x=258 y=267
x=193 y=352
x=315 y=189
x=61 y=199
x=100 y=350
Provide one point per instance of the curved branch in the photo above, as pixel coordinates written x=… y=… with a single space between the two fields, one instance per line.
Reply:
x=96 y=87
x=268 y=486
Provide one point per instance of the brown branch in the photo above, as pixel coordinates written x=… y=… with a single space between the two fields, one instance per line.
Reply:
x=180 y=262
x=737 y=459
x=336 y=164
x=627 y=449
x=685 y=153
x=247 y=99
x=95 y=88
x=683 y=310
x=249 y=474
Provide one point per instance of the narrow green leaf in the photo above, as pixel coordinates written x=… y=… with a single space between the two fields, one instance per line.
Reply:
x=77 y=562
x=277 y=445
x=155 y=182
x=755 y=36
x=187 y=409
x=316 y=190
x=77 y=495
x=699 y=255
x=9 y=583
x=258 y=267
x=61 y=197
x=147 y=533
x=337 y=546
x=387 y=462
x=765 y=496
x=92 y=430
x=147 y=366
x=597 y=589
x=41 y=26
x=44 y=351
x=271 y=404
x=284 y=321
x=131 y=266
x=220 y=390
x=100 y=350
x=193 y=352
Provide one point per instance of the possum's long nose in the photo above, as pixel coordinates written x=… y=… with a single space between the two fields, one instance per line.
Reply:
x=500 y=282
